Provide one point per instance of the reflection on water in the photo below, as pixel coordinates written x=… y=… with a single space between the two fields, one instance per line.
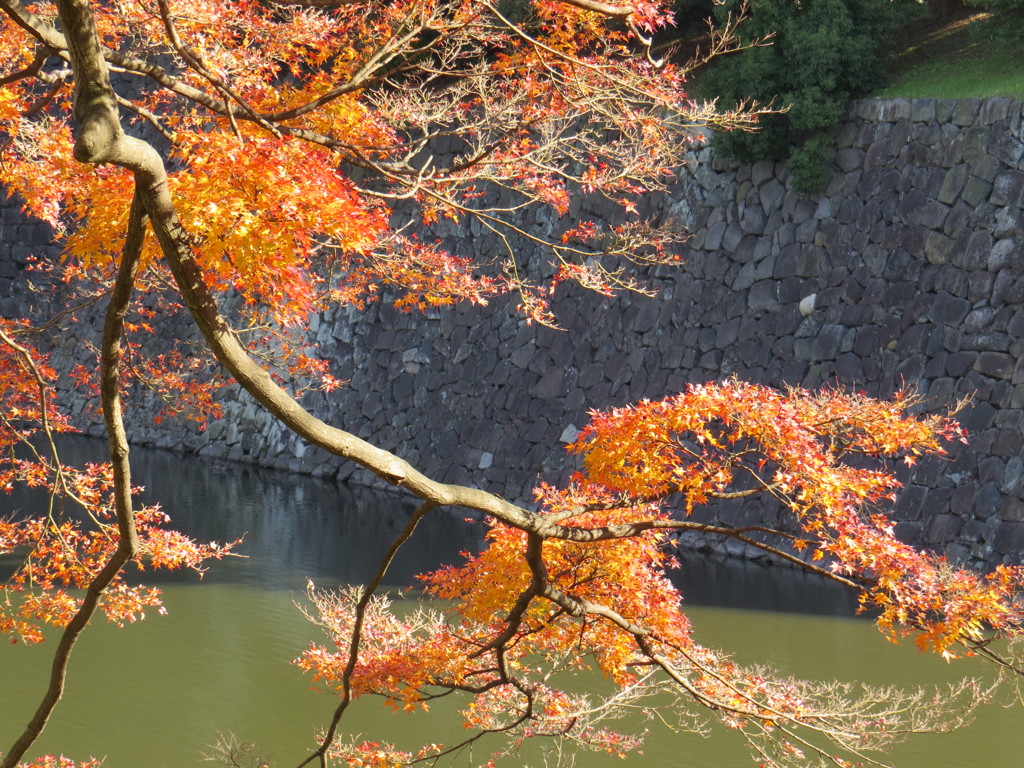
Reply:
x=295 y=528
x=155 y=694
x=724 y=583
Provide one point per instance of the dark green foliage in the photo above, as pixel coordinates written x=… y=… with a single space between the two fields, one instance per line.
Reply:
x=809 y=163
x=1015 y=7
x=822 y=54
x=692 y=12
x=1004 y=26
x=1007 y=22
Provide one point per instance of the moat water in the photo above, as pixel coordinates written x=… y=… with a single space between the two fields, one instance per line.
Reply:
x=156 y=694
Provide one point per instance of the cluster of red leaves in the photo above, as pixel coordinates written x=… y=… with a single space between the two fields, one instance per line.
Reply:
x=181 y=384
x=64 y=547
x=409 y=659
x=625 y=575
x=24 y=376
x=809 y=449
x=420 y=275
x=265 y=185
x=374 y=754
x=55 y=761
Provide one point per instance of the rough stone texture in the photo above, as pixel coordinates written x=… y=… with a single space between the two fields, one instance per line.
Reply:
x=914 y=261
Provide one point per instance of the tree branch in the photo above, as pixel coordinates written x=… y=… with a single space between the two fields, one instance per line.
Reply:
x=357 y=627
x=31 y=70
x=128 y=544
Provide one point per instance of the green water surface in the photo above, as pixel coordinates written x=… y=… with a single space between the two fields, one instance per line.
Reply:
x=157 y=693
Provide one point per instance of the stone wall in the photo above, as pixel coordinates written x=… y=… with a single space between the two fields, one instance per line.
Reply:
x=21 y=240
x=907 y=268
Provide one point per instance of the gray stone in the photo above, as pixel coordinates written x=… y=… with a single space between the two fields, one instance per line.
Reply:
x=713 y=239
x=569 y=434
x=710 y=360
x=1010 y=538
x=763 y=296
x=731 y=237
x=1013 y=477
x=933 y=215
x=958 y=218
x=1006 y=254
x=979 y=286
x=977 y=417
x=762 y=171
x=753 y=220
x=827 y=343
x=849 y=159
x=937 y=248
x=987 y=501
x=1008 y=288
x=978 y=319
x=993 y=341
x=985 y=168
x=550 y=386
x=1012 y=511
x=950 y=310
x=1008 y=189
x=941 y=391
x=849 y=368
x=922 y=110
x=911 y=203
x=865 y=109
x=806 y=231
x=962 y=502
x=914 y=339
x=807 y=304
x=965 y=112
x=943 y=529
x=994 y=110
x=953 y=184
x=867 y=342
x=979 y=247
x=727 y=333
x=846 y=135
x=772 y=194
x=646 y=319
x=975 y=191
x=1008 y=222
x=1007 y=150
x=892 y=110
x=1007 y=443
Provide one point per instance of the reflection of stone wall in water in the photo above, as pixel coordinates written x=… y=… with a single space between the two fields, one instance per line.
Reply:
x=906 y=268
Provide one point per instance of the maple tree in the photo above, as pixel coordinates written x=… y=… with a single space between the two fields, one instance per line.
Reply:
x=283 y=140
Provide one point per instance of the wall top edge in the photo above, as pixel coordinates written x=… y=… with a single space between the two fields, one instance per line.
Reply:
x=964 y=112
